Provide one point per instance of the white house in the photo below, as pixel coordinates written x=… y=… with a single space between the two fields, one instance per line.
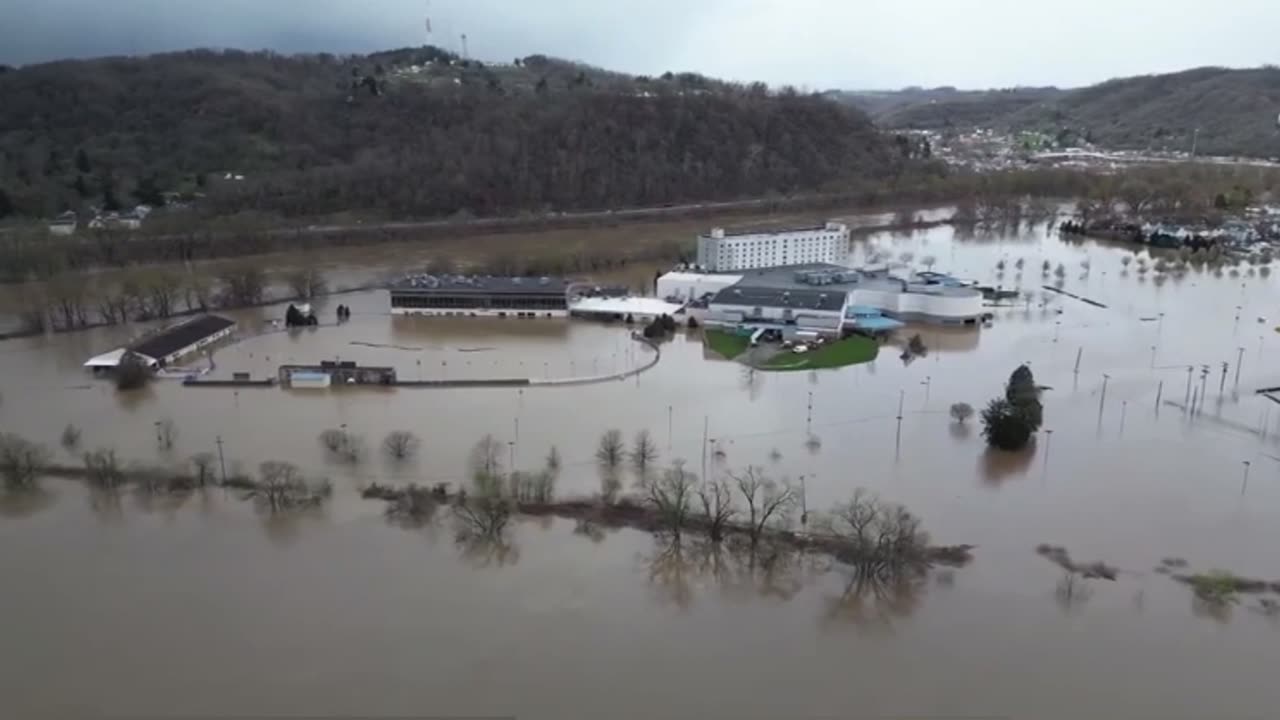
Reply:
x=722 y=251
x=65 y=224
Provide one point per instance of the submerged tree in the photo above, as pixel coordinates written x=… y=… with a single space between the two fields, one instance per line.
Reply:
x=671 y=495
x=400 y=445
x=483 y=512
x=609 y=451
x=202 y=468
x=70 y=437
x=21 y=462
x=643 y=452
x=883 y=538
x=961 y=411
x=767 y=502
x=102 y=468
x=716 y=500
x=1010 y=421
x=281 y=487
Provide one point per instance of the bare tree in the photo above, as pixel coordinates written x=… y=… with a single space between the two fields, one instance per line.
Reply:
x=486 y=458
x=610 y=450
x=961 y=411
x=333 y=440
x=400 y=445
x=202 y=468
x=243 y=285
x=483 y=513
x=102 y=468
x=21 y=462
x=671 y=495
x=307 y=282
x=928 y=261
x=643 y=452
x=166 y=434
x=281 y=487
x=767 y=501
x=70 y=437
x=879 y=536
x=343 y=445
x=718 y=510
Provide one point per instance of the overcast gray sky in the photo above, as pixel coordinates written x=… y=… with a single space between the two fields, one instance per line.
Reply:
x=817 y=44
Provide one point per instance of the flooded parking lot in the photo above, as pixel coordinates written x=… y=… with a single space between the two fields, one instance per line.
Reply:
x=341 y=613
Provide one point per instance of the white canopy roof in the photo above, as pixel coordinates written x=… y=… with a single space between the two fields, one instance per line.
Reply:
x=624 y=306
x=113 y=359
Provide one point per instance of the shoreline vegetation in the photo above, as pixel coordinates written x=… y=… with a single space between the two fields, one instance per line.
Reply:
x=749 y=506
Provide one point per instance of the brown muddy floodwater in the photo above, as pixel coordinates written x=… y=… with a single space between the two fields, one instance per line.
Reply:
x=207 y=609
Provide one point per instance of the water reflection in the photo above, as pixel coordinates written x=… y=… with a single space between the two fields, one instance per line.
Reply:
x=284 y=528
x=25 y=503
x=874 y=599
x=487 y=551
x=106 y=505
x=998 y=466
x=1072 y=592
x=678 y=567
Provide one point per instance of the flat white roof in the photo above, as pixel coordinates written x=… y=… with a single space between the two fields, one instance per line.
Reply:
x=113 y=359
x=624 y=306
x=683 y=276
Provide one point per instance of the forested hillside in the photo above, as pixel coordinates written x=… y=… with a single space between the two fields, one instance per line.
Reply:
x=1235 y=110
x=408 y=133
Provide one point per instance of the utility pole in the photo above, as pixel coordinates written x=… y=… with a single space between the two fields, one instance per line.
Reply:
x=1186 y=400
x=897 y=440
x=1244 y=482
x=1124 y=407
x=221 y=462
x=1048 y=443
x=1103 y=400
x=1239 y=359
x=1204 y=377
x=706 y=425
x=1159 y=392
x=1222 y=384
x=1079 y=352
x=669 y=411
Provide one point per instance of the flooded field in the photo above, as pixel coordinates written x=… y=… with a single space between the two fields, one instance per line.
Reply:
x=338 y=612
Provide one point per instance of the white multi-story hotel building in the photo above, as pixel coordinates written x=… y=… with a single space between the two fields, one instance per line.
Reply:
x=720 y=251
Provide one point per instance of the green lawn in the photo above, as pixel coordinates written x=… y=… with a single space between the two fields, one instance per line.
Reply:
x=849 y=351
x=726 y=344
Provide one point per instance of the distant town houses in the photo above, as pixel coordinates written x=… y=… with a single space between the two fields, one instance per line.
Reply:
x=68 y=222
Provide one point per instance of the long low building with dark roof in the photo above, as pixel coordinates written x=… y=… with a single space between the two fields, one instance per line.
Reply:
x=165 y=347
x=806 y=309
x=480 y=295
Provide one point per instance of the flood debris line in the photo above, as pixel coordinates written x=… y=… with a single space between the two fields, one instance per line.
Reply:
x=1059 y=556
x=1074 y=296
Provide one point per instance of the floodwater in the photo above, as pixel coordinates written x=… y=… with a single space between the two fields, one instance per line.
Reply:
x=209 y=609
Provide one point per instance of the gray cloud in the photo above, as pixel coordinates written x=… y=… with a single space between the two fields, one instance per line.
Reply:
x=810 y=43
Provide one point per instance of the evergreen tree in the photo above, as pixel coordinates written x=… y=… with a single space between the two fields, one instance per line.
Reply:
x=109 y=200
x=148 y=192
